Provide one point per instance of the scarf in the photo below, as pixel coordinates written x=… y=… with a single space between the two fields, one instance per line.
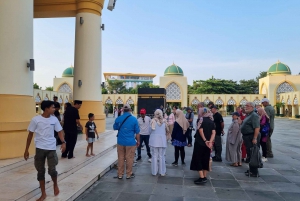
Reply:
x=205 y=113
x=182 y=121
x=261 y=112
x=159 y=120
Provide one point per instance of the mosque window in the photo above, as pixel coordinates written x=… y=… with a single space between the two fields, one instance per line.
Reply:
x=282 y=100
x=219 y=102
x=289 y=102
x=46 y=98
x=283 y=88
x=295 y=101
x=66 y=99
x=206 y=101
x=130 y=101
x=195 y=101
x=65 y=88
x=231 y=102
x=173 y=92
x=119 y=101
x=60 y=100
x=108 y=101
x=257 y=101
x=243 y=102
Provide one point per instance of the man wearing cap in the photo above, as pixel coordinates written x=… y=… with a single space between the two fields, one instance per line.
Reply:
x=271 y=113
x=144 y=125
x=190 y=117
x=71 y=121
x=219 y=123
x=128 y=139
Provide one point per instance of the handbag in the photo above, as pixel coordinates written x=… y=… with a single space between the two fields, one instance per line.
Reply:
x=122 y=124
x=255 y=160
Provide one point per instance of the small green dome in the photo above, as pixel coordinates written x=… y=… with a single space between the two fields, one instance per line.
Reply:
x=173 y=70
x=68 y=72
x=279 y=68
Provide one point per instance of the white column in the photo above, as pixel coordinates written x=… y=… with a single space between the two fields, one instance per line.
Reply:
x=87 y=66
x=281 y=110
x=16 y=47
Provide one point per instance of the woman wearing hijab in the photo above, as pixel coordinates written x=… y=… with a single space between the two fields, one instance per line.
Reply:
x=178 y=136
x=234 y=142
x=264 y=130
x=158 y=143
x=202 y=146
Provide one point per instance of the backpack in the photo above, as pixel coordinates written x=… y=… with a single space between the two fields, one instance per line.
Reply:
x=255 y=160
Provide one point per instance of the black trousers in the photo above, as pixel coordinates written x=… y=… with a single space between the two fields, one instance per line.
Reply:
x=264 y=148
x=248 y=143
x=71 y=139
x=218 y=147
x=188 y=134
x=145 y=139
x=182 y=153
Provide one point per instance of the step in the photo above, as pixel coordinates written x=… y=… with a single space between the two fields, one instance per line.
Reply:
x=9 y=164
x=20 y=183
x=74 y=185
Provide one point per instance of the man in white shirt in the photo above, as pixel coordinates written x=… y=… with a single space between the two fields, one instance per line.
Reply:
x=43 y=126
x=144 y=124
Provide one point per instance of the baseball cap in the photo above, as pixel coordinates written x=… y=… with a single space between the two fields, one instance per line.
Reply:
x=126 y=106
x=188 y=108
x=236 y=114
x=265 y=100
x=214 y=106
x=143 y=111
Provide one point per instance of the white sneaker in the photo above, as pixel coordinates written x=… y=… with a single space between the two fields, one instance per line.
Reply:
x=149 y=160
x=264 y=159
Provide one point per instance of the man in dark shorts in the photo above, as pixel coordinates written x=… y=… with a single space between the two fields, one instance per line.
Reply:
x=71 y=120
x=219 y=122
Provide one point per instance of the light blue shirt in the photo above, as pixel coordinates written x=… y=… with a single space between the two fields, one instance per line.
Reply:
x=126 y=135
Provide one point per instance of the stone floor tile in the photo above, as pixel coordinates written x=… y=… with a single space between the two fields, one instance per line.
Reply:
x=243 y=177
x=190 y=182
x=131 y=196
x=289 y=172
x=254 y=185
x=174 y=172
x=199 y=191
x=220 y=169
x=170 y=180
x=165 y=198
x=290 y=196
x=285 y=187
x=264 y=196
x=138 y=188
x=293 y=179
x=99 y=196
x=225 y=183
x=231 y=194
x=268 y=171
x=199 y=199
x=167 y=189
x=218 y=175
x=110 y=186
x=144 y=179
x=274 y=178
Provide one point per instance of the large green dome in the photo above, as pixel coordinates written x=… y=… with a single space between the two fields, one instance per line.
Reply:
x=279 y=68
x=68 y=72
x=173 y=70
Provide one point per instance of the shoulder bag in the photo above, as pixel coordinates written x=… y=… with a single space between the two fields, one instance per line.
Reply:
x=123 y=123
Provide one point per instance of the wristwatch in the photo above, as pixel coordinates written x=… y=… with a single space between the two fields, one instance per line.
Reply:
x=64 y=142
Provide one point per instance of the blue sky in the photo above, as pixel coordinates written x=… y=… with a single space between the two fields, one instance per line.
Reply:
x=230 y=39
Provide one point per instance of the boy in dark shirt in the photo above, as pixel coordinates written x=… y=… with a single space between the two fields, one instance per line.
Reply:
x=90 y=130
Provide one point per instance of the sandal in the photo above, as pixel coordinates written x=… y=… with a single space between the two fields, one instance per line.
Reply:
x=234 y=165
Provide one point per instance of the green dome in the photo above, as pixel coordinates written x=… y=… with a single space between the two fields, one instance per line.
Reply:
x=69 y=72
x=279 y=68
x=173 y=70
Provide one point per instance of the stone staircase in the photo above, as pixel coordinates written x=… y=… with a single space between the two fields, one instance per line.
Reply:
x=18 y=177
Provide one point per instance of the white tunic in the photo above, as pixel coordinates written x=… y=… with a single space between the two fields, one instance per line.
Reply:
x=158 y=136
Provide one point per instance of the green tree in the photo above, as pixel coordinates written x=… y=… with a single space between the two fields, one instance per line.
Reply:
x=262 y=74
x=115 y=86
x=248 y=87
x=147 y=85
x=36 y=86
x=214 y=86
x=49 y=88
x=104 y=91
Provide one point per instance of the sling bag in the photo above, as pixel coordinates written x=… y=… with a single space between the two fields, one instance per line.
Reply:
x=122 y=124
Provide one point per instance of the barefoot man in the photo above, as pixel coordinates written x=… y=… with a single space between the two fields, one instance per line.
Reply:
x=43 y=126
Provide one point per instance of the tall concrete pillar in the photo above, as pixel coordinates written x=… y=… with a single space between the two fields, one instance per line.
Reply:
x=293 y=111
x=87 y=68
x=17 y=105
x=281 y=110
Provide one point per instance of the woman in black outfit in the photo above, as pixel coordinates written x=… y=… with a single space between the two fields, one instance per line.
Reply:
x=202 y=146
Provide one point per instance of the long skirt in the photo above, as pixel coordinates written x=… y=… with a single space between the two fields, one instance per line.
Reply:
x=200 y=158
x=158 y=160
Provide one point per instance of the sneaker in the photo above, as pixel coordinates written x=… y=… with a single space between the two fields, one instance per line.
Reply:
x=175 y=164
x=200 y=181
x=138 y=158
x=204 y=179
x=149 y=160
x=131 y=176
x=162 y=175
x=264 y=159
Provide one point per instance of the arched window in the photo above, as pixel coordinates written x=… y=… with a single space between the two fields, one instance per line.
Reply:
x=173 y=92
x=130 y=101
x=257 y=101
x=108 y=101
x=119 y=101
x=295 y=101
x=38 y=98
x=206 y=101
x=243 y=102
x=60 y=100
x=283 y=88
x=66 y=99
x=219 y=101
x=195 y=101
x=231 y=101
x=65 y=88
x=289 y=102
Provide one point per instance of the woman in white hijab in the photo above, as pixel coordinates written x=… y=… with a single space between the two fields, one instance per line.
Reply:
x=158 y=143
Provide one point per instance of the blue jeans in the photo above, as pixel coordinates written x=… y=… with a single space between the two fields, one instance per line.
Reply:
x=145 y=139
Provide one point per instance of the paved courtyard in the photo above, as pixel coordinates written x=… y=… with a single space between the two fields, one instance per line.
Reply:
x=279 y=179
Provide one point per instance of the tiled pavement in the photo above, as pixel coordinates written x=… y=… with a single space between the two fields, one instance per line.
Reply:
x=279 y=180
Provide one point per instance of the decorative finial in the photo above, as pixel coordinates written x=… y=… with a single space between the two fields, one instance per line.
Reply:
x=278 y=61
